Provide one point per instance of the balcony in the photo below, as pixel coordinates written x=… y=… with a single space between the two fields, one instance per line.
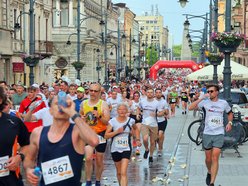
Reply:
x=44 y=48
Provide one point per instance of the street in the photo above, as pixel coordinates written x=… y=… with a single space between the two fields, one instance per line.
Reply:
x=182 y=162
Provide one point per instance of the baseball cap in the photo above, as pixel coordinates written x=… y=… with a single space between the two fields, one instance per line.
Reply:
x=115 y=87
x=20 y=84
x=35 y=85
x=80 y=89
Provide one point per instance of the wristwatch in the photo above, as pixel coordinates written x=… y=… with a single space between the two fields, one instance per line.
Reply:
x=22 y=156
x=75 y=116
x=230 y=122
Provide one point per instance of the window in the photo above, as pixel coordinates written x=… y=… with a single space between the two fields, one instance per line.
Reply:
x=64 y=13
x=147 y=22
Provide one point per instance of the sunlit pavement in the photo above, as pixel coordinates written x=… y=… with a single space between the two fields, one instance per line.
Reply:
x=182 y=162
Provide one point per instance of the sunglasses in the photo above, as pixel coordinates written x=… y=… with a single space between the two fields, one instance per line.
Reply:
x=94 y=90
x=210 y=91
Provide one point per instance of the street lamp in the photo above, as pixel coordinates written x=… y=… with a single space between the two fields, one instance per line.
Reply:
x=32 y=61
x=139 y=58
x=77 y=64
x=98 y=68
x=183 y=3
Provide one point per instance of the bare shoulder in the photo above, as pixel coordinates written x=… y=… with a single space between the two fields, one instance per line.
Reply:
x=35 y=135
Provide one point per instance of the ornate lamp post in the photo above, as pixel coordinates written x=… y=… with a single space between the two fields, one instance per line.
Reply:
x=98 y=68
x=183 y=3
x=30 y=61
x=215 y=59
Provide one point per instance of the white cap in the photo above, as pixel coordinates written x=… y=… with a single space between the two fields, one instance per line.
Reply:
x=35 y=85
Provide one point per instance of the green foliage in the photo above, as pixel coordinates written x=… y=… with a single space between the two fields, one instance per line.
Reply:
x=177 y=50
x=151 y=55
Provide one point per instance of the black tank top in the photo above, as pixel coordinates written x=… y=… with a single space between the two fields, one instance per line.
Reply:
x=64 y=147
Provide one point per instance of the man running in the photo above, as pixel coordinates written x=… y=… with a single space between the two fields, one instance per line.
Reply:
x=213 y=134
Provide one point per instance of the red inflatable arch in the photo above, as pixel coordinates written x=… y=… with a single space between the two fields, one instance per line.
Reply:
x=172 y=64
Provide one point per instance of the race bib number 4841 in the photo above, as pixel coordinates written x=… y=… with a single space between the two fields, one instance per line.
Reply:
x=57 y=170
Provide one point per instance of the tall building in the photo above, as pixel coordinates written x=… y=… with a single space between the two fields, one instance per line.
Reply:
x=151 y=25
x=14 y=43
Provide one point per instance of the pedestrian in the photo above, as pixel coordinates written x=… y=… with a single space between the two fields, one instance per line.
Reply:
x=149 y=126
x=173 y=99
x=18 y=96
x=184 y=100
x=25 y=106
x=59 y=149
x=213 y=134
x=119 y=129
x=80 y=98
x=96 y=112
x=162 y=120
x=12 y=132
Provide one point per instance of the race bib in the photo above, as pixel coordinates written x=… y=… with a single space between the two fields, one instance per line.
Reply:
x=3 y=164
x=114 y=105
x=57 y=170
x=149 y=120
x=101 y=139
x=215 y=121
x=121 y=142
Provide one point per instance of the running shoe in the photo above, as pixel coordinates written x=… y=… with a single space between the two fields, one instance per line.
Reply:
x=146 y=154
x=159 y=153
x=208 y=178
x=211 y=184
x=137 y=152
x=150 y=159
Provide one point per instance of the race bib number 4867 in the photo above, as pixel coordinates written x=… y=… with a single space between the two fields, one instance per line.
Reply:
x=57 y=170
x=3 y=164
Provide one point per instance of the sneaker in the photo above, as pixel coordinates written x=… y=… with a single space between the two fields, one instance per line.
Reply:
x=208 y=178
x=150 y=159
x=88 y=183
x=182 y=112
x=98 y=183
x=146 y=154
x=185 y=112
x=211 y=184
x=159 y=153
x=137 y=152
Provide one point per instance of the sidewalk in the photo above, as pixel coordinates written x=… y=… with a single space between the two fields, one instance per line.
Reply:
x=233 y=171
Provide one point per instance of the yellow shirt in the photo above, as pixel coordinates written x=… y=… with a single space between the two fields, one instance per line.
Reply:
x=96 y=124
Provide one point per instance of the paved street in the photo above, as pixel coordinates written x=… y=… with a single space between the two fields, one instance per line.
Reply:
x=187 y=166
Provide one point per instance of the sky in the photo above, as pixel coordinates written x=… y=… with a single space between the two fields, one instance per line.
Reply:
x=172 y=13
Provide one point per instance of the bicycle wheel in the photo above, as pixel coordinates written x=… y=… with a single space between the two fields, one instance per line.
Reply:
x=242 y=137
x=195 y=131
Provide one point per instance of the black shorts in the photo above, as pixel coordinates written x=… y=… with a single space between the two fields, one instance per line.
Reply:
x=11 y=180
x=101 y=147
x=191 y=95
x=162 y=125
x=185 y=99
x=118 y=156
x=134 y=117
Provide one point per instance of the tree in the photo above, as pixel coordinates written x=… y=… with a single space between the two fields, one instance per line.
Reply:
x=151 y=55
x=177 y=50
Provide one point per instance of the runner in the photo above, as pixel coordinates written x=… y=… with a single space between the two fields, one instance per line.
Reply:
x=173 y=97
x=119 y=130
x=97 y=115
x=184 y=99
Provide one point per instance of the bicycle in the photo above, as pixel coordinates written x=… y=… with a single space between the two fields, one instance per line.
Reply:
x=195 y=131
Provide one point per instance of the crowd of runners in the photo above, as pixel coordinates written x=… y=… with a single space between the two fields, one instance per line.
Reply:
x=57 y=138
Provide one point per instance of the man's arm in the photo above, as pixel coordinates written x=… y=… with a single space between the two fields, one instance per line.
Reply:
x=83 y=129
x=194 y=105
x=30 y=159
x=105 y=113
